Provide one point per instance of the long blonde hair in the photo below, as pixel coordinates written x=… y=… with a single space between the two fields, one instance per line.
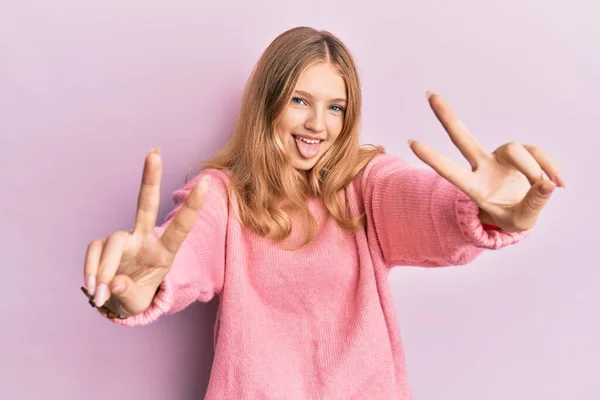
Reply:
x=267 y=188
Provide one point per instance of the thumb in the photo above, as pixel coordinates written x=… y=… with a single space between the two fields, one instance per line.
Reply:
x=532 y=204
x=129 y=298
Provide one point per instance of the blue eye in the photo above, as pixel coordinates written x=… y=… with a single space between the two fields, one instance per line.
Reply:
x=337 y=108
x=297 y=100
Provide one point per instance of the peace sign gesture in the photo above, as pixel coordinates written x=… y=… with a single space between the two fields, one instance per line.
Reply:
x=126 y=268
x=508 y=185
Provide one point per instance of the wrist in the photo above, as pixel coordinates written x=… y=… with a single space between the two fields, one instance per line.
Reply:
x=487 y=222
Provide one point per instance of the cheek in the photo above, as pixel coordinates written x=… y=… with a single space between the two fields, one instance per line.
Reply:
x=335 y=126
x=290 y=120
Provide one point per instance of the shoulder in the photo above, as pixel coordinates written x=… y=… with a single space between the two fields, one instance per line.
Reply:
x=218 y=191
x=377 y=168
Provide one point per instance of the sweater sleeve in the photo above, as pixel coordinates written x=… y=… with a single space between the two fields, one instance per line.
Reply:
x=416 y=217
x=197 y=272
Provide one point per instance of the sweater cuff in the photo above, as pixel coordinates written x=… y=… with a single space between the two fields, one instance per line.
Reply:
x=161 y=304
x=467 y=218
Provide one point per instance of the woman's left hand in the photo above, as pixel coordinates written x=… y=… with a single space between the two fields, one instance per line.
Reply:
x=508 y=185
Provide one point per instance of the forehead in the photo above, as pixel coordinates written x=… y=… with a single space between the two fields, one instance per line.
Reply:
x=322 y=80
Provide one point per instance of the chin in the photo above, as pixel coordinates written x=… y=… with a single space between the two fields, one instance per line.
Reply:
x=302 y=164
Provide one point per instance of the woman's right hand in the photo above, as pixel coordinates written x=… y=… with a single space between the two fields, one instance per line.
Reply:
x=125 y=269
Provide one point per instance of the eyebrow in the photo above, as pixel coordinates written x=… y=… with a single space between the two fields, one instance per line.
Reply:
x=306 y=94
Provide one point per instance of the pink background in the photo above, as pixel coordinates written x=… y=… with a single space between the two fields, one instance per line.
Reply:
x=87 y=88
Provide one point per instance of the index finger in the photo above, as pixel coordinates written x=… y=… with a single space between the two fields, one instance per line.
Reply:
x=184 y=220
x=470 y=148
x=456 y=174
x=149 y=196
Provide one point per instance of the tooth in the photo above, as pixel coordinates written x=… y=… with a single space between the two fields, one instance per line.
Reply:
x=309 y=141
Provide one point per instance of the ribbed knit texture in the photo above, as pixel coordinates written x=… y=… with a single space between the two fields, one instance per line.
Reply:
x=318 y=323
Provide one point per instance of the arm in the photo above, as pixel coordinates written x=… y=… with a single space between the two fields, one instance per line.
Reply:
x=416 y=217
x=197 y=272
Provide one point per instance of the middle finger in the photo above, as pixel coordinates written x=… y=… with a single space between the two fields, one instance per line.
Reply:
x=149 y=195
x=466 y=143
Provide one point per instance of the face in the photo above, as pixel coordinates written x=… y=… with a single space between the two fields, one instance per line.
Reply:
x=314 y=117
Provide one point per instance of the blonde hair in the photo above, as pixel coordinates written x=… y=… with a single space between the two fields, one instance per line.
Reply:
x=267 y=188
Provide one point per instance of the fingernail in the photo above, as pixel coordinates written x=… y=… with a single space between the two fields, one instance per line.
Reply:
x=410 y=142
x=101 y=295
x=428 y=94
x=546 y=188
x=119 y=288
x=155 y=149
x=560 y=181
x=90 y=284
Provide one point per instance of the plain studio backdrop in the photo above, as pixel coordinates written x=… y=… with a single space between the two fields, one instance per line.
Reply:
x=87 y=88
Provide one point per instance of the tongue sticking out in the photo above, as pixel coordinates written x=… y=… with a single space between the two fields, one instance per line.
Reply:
x=308 y=150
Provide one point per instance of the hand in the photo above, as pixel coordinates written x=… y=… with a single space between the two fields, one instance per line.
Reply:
x=508 y=185
x=126 y=268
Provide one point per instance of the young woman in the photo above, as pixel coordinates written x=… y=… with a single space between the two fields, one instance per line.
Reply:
x=295 y=227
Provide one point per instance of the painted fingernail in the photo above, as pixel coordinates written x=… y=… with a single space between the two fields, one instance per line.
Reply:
x=546 y=188
x=101 y=295
x=90 y=284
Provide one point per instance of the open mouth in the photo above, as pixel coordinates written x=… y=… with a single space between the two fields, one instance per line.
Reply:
x=308 y=148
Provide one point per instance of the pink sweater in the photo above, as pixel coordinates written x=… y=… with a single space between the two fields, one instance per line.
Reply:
x=318 y=323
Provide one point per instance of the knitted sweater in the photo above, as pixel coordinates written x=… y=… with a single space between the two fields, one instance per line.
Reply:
x=319 y=322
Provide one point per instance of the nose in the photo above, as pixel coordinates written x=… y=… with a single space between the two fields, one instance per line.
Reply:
x=315 y=121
